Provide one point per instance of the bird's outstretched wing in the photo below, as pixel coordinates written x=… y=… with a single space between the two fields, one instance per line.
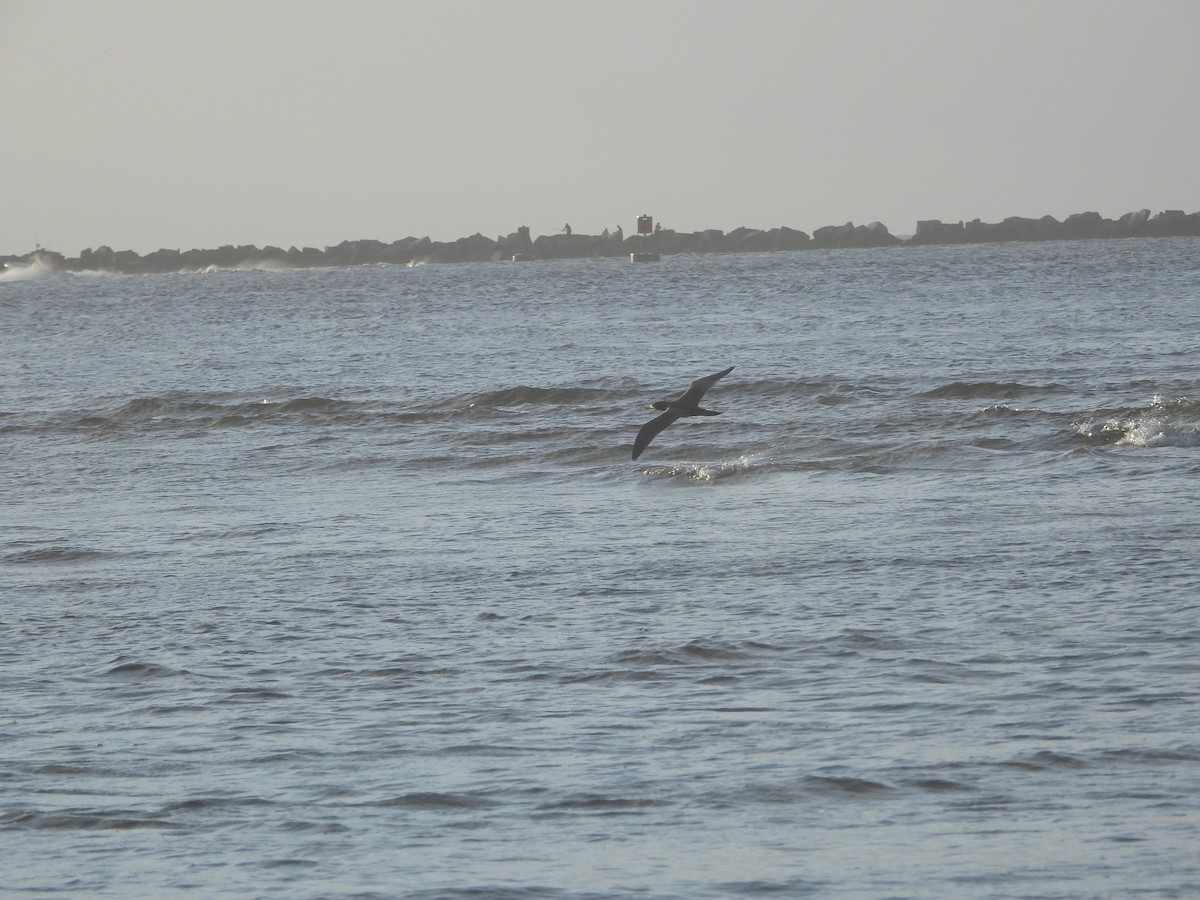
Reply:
x=650 y=431
x=697 y=389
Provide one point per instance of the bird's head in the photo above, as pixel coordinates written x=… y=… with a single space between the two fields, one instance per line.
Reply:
x=660 y=405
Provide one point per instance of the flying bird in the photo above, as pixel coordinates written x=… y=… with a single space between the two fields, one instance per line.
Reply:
x=686 y=404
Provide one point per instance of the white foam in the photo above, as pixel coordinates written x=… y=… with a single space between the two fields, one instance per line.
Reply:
x=25 y=272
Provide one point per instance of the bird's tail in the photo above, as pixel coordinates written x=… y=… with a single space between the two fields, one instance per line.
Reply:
x=705 y=412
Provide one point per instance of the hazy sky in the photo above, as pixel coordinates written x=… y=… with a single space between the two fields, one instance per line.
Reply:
x=143 y=123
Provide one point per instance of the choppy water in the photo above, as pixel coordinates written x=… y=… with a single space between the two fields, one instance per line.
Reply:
x=341 y=583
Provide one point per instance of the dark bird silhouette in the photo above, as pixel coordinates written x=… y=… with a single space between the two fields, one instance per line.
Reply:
x=686 y=404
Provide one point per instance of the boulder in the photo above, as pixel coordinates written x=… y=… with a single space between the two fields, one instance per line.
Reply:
x=475 y=248
x=1018 y=228
x=1172 y=223
x=1134 y=222
x=160 y=262
x=1084 y=225
x=126 y=261
x=934 y=231
x=834 y=235
x=99 y=260
x=356 y=253
x=420 y=249
x=745 y=240
x=397 y=253
x=785 y=238
x=567 y=246
x=874 y=235
x=1048 y=228
x=307 y=257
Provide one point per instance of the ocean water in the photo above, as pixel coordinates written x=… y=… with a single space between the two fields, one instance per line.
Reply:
x=342 y=582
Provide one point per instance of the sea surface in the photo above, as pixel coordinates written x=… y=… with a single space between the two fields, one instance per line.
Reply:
x=342 y=583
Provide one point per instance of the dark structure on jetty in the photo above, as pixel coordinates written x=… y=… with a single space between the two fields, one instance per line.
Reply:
x=519 y=245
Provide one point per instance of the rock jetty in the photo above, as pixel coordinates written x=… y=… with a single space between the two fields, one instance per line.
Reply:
x=519 y=245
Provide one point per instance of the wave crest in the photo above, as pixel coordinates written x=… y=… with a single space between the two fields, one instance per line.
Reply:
x=704 y=474
x=1004 y=390
x=1164 y=423
x=522 y=394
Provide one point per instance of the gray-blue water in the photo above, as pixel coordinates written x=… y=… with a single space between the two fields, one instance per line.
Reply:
x=342 y=583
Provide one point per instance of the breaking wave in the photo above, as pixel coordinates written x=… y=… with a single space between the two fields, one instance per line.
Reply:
x=1164 y=423
x=38 y=268
x=770 y=426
